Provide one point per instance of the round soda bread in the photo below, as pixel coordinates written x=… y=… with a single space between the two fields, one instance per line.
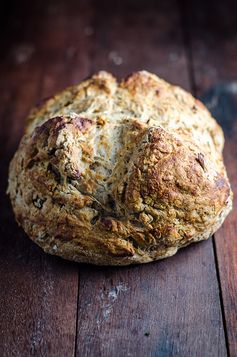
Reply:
x=118 y=173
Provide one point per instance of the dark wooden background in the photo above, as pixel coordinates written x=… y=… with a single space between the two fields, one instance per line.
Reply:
x=182 y=306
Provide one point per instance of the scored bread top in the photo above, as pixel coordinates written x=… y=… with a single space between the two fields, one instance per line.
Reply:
x=117 y=173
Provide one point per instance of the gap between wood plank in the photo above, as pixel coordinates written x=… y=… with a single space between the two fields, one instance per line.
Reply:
x=77 y=308
x=221 y=297
x=187 y=44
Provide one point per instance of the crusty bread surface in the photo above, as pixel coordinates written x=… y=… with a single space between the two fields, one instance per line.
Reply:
x=120 y=172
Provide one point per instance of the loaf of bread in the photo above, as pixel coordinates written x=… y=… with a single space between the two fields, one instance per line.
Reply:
x=120 y=172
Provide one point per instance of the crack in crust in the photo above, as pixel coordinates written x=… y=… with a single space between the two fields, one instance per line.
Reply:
x=120 y=173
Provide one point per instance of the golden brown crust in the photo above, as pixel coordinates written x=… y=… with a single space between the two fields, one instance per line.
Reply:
x=120 y=173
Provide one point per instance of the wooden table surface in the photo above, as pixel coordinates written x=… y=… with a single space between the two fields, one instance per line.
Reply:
x=183 y=306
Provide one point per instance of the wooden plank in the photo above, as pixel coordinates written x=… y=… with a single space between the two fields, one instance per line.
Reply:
x=139 y=35
x=38 y=292
x=214 y=48
x=168 y=308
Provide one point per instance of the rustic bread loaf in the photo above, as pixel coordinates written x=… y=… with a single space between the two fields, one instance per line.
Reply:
x=120 y=173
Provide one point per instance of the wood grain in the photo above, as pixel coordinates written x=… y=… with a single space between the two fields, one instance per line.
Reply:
x=214 y=47
x=168 y=308
x=38 y=293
